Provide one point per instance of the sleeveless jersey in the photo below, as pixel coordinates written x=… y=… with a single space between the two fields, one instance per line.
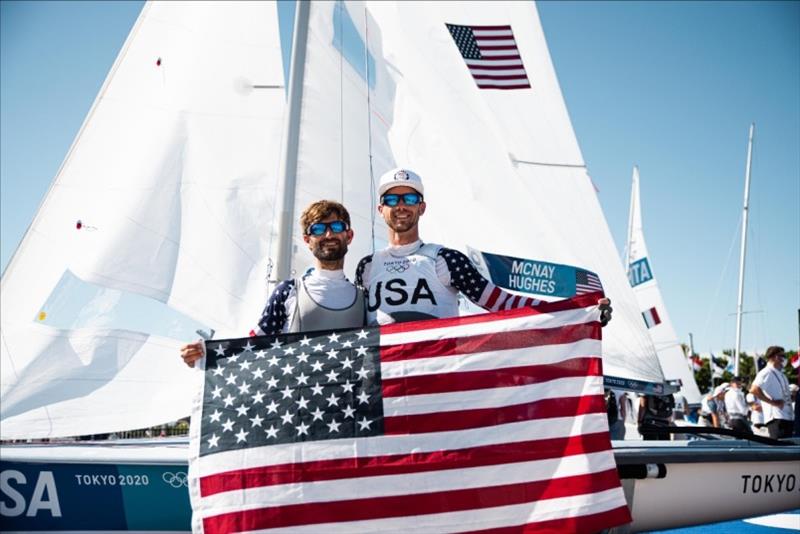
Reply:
x=309 y=315
x=406 y=287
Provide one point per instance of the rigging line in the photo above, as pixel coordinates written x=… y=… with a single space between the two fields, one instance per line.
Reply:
x=721 y=278
x=369 y=132
x=341 y=7
x=545 y=164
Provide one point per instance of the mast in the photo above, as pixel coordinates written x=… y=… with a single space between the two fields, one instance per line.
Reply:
x=634 y=199
x=288 y=167
x=743 y=251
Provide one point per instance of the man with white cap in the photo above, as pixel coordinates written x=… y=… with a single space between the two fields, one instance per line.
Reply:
x=412 y=280
x=736 y=406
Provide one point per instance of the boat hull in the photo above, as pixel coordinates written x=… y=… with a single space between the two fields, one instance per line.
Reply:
x=142 y=487
x=678 y=484
x=92 y=487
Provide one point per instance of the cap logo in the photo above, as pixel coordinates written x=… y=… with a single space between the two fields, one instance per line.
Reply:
x=401 y=175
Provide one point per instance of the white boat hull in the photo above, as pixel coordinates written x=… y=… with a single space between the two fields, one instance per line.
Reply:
x=693 y=483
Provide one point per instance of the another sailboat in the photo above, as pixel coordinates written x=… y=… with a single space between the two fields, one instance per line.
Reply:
x=173 y=189
x=651 y=303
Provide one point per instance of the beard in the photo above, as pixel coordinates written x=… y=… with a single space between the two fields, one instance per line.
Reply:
x=404 y=224
x=324 y=250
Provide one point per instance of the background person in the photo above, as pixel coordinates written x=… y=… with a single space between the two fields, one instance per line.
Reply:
x=736 y=407
x=771 y=387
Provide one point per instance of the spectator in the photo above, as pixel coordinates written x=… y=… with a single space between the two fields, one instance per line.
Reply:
x=771 y=387
x=736 y=407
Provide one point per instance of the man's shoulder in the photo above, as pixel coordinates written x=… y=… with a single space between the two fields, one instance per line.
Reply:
x=448 y=253
x=283 y=289
x=364 y=261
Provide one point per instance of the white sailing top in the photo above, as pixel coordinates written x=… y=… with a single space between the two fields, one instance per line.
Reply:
x=775 y=385
x=330 y=289
x=735 y=403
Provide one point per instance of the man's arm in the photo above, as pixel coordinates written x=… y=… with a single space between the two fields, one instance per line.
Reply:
x=465 y=277
x=362 y=270
x=272 y=321
x=274 y=317
x=760 y=395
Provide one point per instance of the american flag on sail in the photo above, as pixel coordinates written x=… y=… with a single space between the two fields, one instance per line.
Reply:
x=586 y=282
x=490 y=421
x=492 y=56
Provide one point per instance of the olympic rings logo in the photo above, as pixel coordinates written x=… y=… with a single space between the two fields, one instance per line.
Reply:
x=397 y=267
x=176 y=480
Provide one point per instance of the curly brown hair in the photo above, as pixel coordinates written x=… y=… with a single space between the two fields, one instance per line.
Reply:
x=322 y=209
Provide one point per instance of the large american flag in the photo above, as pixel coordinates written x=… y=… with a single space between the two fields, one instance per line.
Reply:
x=491 y=55
x=480 y=423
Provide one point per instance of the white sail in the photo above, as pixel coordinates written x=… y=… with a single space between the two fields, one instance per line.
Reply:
x=502 y=168
x=167 y=193
x=654 y=312
x=173 y=181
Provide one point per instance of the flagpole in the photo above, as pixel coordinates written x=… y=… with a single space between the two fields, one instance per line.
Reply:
x=743 y=252
x=291 y=138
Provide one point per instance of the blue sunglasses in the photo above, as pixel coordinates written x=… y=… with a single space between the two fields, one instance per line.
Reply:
x=409 y=199
x=318 y=229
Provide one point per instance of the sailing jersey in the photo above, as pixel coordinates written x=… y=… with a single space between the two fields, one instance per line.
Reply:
x=416 y=281
x=328 y=289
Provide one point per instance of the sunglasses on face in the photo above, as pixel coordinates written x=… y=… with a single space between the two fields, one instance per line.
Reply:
x=409 y=199
x=318 y=229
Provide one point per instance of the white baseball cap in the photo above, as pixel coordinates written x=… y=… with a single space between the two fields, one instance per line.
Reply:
x=400 y=176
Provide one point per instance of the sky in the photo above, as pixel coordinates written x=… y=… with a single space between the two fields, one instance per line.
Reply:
x=669 y=86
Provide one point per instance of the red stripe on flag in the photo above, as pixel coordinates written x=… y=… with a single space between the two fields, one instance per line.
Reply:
x=518 y=339
x=574 y=303
x=495 y=67
x=499 y=58
x=522 y=86
x=400 y=464
x=656 y=318
x=489 y=28
x=479 y=37
x=410 y=505
x=580 y=524
x=485 y=48
x=483 y=417
x=492 y=378
x=493 y=297
x=500 y=77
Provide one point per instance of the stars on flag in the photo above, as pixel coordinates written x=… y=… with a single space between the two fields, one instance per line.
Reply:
x=293 y=387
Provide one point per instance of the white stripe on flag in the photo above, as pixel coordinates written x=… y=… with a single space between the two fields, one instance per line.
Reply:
x=495 y=42
x=526 y=322
x=478 y=33
x=556 y=427
x=485 y=361
x=407 y=483
x=505 y=72
x=477 y=399
x=484 y=518
x=490 y=53
x=494 y=63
